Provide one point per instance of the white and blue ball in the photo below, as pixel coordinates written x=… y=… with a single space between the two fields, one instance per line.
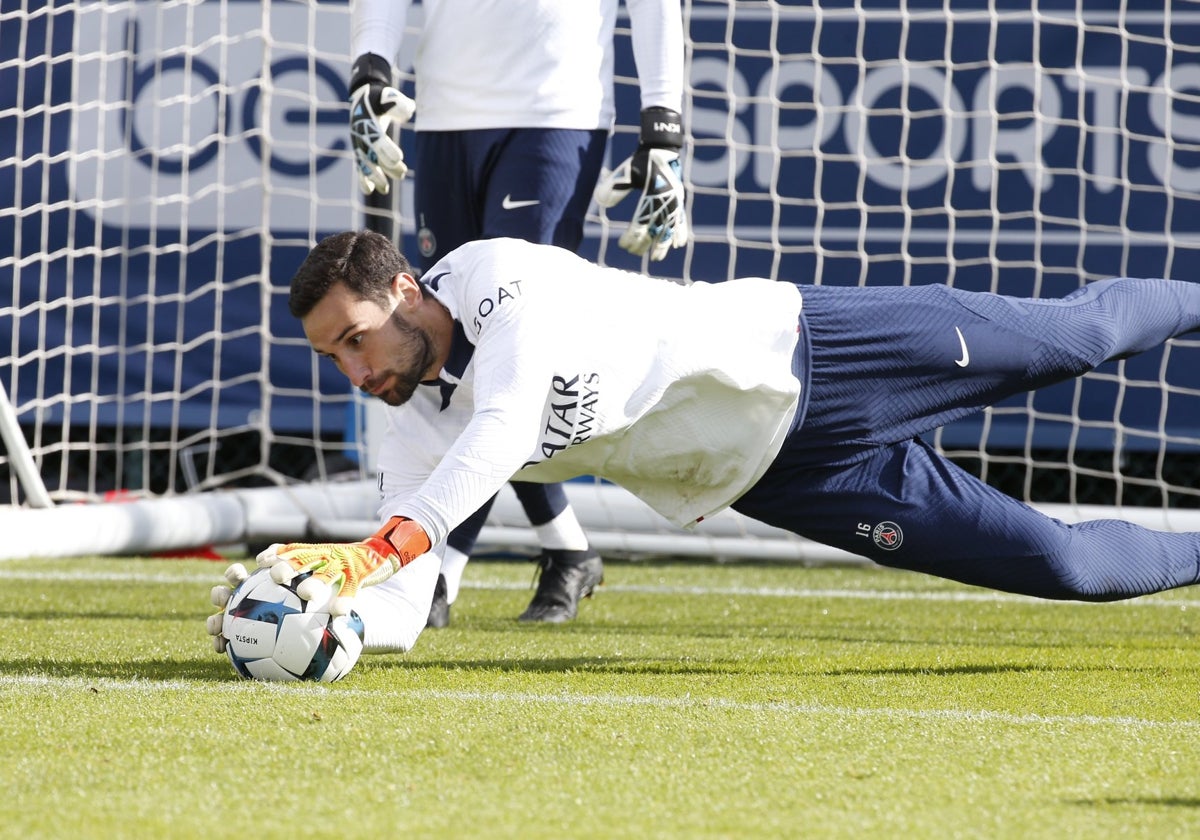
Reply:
x=276 y=636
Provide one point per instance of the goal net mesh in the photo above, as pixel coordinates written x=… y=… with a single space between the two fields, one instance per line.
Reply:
x=165 y=166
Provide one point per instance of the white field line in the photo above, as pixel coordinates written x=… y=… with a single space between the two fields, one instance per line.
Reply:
x=645 y=589
x=37 y=683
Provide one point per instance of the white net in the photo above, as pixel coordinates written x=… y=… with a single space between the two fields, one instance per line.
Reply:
x=172 y=163
x=165 y=166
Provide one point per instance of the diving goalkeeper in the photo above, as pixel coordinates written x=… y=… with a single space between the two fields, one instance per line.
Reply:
x=513 y=108
x=802 y=406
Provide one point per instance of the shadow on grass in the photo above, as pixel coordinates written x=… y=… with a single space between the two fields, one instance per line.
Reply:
x=562 y=665
x=215 y=669
x=806 y=632
x=208 y=669
x=975 y=670
x=103 y=615
x=1139 y=801
x=726 y=667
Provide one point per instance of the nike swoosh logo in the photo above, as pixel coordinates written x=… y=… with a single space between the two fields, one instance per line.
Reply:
x=966 y=354
x=509 y=204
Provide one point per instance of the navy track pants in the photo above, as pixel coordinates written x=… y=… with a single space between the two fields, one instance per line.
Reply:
x=888 y=364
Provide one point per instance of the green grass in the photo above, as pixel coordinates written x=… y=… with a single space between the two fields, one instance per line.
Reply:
x=688 y=700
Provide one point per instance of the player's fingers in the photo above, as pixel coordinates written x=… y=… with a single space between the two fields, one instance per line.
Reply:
x=681 y=232
x=269 y=556
x=219 y=596
x=610 y=197
x=235 y=574
x=613 y=186
x=380 y=182
x=398 y=170
x=214 y=623
x=282 y=573
x=315 y=589
x=387 y=155
x=219 y=643
x=635 y=239
x=399 y=107
x=341 y=605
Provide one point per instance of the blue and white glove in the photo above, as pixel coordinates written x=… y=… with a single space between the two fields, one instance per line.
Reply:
x=375 y=106
x=659 y=221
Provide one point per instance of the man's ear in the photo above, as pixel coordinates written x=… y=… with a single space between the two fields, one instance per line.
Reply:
x=406 y=289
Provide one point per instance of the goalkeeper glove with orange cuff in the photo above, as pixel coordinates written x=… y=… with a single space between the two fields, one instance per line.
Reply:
x=374 y=107
x=660 y=220
x=339 y=570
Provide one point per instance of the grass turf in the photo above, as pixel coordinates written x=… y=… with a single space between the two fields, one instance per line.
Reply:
x=687 y=700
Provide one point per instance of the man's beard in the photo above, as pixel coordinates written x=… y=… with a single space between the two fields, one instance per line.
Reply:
x=402 y=384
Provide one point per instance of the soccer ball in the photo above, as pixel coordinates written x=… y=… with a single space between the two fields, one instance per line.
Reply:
x=276 y=636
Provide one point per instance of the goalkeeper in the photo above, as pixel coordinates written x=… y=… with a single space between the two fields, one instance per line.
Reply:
x=513 y=109
x=798 y=405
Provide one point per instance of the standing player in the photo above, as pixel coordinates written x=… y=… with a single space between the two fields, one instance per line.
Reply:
x=514 y=106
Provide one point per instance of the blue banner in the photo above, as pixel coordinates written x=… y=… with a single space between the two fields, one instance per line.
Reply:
x=159 y=155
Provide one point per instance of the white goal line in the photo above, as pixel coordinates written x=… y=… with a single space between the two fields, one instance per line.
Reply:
x=34 y=682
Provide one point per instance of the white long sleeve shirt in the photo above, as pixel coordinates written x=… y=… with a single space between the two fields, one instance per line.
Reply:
x=525 y=63
x=681 y=394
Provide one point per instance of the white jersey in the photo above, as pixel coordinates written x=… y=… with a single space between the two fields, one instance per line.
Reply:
x=525 y=63
x=560 y=368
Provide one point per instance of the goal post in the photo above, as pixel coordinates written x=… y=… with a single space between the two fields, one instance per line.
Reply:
x=165 y=166
x=20 y=458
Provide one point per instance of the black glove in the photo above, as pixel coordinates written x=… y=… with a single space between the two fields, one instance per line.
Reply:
x=659 y=221
x=374 y=106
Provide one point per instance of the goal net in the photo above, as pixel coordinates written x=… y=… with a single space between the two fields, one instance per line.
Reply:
x=166 y=165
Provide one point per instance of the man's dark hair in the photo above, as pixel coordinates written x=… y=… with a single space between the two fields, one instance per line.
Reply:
x=364 y=261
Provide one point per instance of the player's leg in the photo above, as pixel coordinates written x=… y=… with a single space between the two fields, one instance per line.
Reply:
x=524 y=183
x=455 y=553
x=891 y=363
x=569 y=569
x=460 y=175
x=907 y=507
x=539 y=184
x=447 y=202
x=448 y=193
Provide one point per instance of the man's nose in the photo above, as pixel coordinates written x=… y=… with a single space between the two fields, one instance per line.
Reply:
x=358 y=372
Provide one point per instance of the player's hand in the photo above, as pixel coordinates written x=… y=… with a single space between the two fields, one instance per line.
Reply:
x=375 y=106
x=659 y=221
x=219 y=596
x=339 y=570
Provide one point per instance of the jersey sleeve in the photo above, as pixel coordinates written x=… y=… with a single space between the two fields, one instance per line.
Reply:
x=377 y=26
x=513 y=358
x=657 y=34
x=395 y=612
x=409 y=451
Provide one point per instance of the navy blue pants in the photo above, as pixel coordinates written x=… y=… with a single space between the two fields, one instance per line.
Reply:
x=526 y=183
x=888 y=364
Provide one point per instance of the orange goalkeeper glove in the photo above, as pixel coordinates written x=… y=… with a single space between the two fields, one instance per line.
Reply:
x=339 y=570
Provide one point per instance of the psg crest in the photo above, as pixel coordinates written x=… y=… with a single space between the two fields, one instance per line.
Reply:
x=426 y=243
x=888 y=536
